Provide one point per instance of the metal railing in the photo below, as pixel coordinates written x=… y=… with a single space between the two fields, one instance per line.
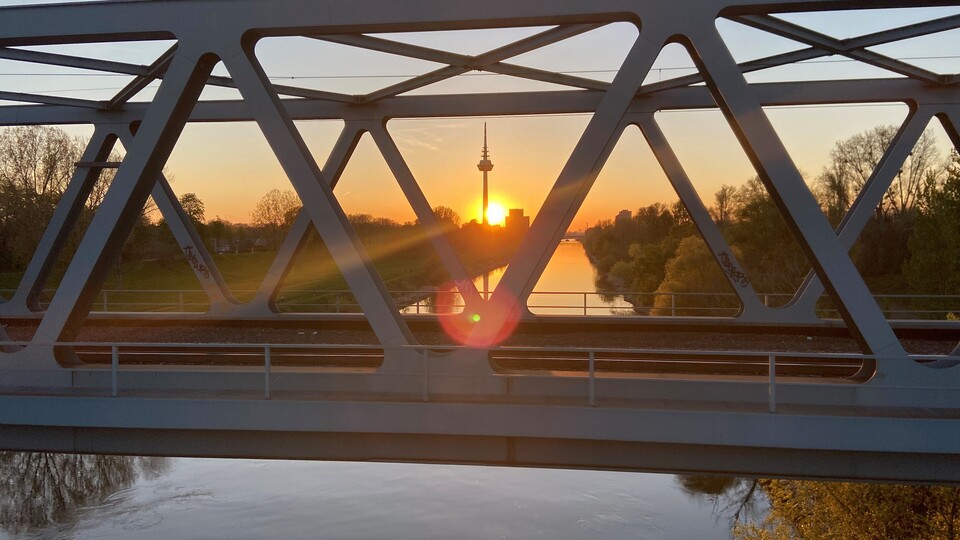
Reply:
x=608 y=303
x=267 y=352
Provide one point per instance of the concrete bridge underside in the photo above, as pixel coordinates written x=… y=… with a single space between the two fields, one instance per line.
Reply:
x=895 y=420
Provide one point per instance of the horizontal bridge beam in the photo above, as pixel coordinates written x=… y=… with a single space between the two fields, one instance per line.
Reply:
x=563 y=102
x=119 y=21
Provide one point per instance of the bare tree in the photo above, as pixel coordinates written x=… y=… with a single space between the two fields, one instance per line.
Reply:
x=37 y=159
x=273 y=213
x=854 y=160
x=36 y=164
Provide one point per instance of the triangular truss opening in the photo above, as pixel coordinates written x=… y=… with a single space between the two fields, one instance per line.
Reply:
x=528 y=155
x=903 y=250
x=153 y=273
x=576 y=56
x=672 y=63
x=232 y=177
x=624 y=235
x=466 y=42
x=748 y=44
x=322 y=64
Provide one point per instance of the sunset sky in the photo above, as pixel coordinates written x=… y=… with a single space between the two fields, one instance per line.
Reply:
x=230 y=166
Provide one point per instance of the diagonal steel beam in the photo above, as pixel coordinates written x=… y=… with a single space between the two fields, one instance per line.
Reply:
x=571 y=188
x=793 y=198
x=722 y=252
x=144 y=76
x=77 y=62
x=869 y=198
x=266 y=297
x=428 y=220
x=124 y=200
x=319 y=202
x=459 y=63
x=26 y=299
x=950 y=118
x=853 y=44
x=154 y=72
x=835 y=46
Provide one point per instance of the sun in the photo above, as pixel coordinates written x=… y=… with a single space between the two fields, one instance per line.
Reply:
x=496 y=213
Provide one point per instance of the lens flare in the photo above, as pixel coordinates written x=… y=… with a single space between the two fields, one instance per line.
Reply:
x=500 y=315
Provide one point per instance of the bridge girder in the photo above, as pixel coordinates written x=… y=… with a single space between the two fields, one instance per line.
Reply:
x=206 y=33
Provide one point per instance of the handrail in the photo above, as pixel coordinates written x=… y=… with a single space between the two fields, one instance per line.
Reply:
x=590 y=354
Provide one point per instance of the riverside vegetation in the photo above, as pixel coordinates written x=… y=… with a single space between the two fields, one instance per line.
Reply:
x=911 y=244
x=36 y=164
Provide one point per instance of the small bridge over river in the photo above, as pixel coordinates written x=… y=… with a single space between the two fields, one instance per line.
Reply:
x=893 y=416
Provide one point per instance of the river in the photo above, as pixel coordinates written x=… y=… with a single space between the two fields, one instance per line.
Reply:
x=169 y=498
x=567 y=287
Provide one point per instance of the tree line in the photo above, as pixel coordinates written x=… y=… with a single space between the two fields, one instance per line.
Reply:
x=911 y=243
x=37 y=164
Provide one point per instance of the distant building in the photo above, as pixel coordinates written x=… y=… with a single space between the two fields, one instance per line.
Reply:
x=625 y=215
x=516 y=222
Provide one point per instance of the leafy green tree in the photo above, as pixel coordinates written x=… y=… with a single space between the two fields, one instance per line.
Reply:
x=934 y=263
x=694 y=270
x=773 y=259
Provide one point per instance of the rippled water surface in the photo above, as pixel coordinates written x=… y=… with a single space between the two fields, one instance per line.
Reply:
x=204 y=498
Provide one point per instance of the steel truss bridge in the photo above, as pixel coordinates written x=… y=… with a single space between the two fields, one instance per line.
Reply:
x=895 y=419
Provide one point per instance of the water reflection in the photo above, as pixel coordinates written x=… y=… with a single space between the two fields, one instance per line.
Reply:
x=41 y=489
x=569 y=271
x=809 y=510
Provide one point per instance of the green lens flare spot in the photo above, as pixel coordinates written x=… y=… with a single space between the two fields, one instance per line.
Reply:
x=475 y=318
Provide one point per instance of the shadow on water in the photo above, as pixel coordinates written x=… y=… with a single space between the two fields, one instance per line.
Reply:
x=802 y=509
x=42 y=489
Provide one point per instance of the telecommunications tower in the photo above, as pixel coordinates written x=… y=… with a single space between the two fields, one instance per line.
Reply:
x=485 y=166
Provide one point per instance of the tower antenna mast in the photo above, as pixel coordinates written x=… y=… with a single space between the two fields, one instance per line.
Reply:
x=485 y=167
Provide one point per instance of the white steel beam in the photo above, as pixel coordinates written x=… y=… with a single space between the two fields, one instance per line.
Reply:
x=753 y=308
x=265 y=301
x=321 y=205
x=795 y=201
x=428 y=220
x=26 y=299
x=126 y=196
x=571 y=188
x=867 y=201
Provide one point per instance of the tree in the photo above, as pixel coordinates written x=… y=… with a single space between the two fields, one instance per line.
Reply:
x=934 y=264
x=194 y=208
x=842 y=511
x=36 y=164
x=723 y=203
x=273 y=212
x=771 y=255
x=38 y=159
x=448 y=218
x=855 y=159
x=41 y=489
x=694 y=270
